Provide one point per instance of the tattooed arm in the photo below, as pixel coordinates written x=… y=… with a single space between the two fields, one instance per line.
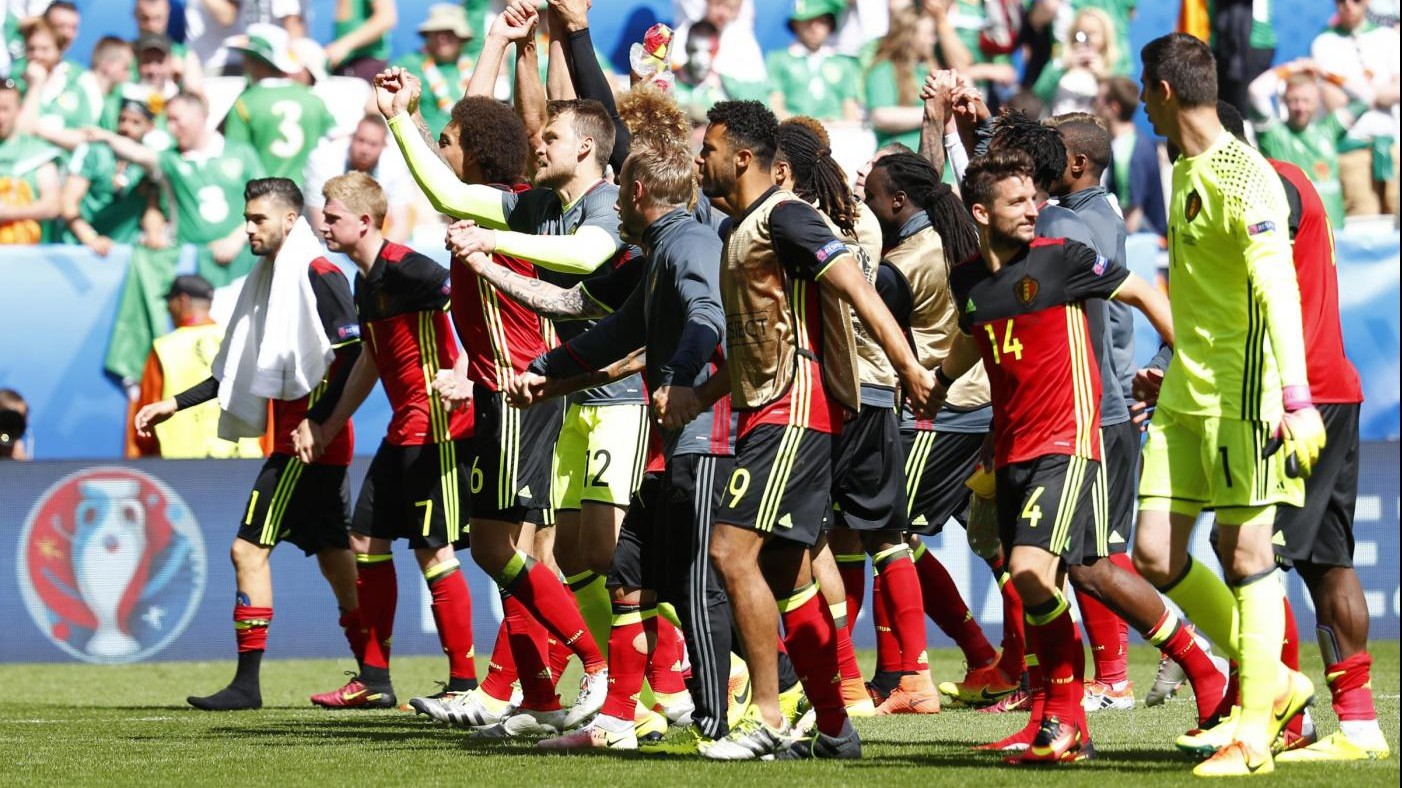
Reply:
x=547 y=300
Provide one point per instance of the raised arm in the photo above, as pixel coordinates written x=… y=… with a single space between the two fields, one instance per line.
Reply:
x=397 y=95
x=586 y=74
x=383 y=16
x=846 y=278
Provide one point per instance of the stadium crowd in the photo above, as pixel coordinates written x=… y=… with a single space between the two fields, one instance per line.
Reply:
x=757 y=377
x=851 y=63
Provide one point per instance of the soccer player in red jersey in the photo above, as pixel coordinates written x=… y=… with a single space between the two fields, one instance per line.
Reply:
x=1316 y=540
x=307 y=504
x=415 y=487
x=485 y=143
x=1022 y=311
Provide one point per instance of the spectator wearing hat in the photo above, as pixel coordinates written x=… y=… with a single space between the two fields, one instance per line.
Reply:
x=809 y=77
x=361 y=48
x=29 y=185
x=107 y=201
x=209 y=24
x=176 y=362
x=153 y=16
x=282 y=119
x=14 y=422
x=442 y=66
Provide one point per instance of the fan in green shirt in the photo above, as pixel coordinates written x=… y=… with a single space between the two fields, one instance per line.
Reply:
x=1306 y=138
x=204 y=177
x=281 y=119
x=362 y=30
x=28 y=176
x=105 y=198
x=809 y=78
x=60 y=93
x=443 y=67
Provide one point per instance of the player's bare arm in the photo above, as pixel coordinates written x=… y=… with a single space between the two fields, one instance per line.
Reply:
x=846 y=278
x=541 y=297
x=530 y=388
x=1148 y=299
x=312 y=441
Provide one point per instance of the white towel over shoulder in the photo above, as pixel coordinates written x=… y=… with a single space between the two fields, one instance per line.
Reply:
x=275 y=347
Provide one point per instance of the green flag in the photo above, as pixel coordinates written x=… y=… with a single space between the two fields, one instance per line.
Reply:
x=141 y=311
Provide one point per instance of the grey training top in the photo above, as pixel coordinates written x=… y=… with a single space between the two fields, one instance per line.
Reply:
x=539 y=212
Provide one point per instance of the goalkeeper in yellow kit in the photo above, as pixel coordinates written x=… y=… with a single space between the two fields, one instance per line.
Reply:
x=1235 y=429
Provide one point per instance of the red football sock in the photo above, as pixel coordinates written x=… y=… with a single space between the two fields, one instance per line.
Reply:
x=1232 y=695
x=355 y=633
x=1109 y=639
x=1037 y=694
x=501 y=670
x=1177 y=642
x=945 y=606
x=378 y=590
x=1290 y=656
x=1350 y=687
x=664 y=670
x=551 y=603
x=452 y=612
x=1058 y=644
x=853 y=569
x=901 y=588
x=1015 y=645
x=528 y=650
x=846 y=654
x=811 y=640
x=251 y=627
x=888 y=646
x=627 y=661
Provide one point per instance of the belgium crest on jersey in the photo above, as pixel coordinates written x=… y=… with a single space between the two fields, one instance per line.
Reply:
x=1193 y=206
x=1026 y=290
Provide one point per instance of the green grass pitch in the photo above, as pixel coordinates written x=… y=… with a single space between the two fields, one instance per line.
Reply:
x=129 y=725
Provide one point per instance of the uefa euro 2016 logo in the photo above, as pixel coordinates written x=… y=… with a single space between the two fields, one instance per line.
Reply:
x=111 y=565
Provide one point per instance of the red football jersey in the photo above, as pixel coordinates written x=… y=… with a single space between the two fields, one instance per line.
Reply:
x=402 y=304
x=336 y=309
x=1332 y=376
x=1030 y=326
x=498 y=334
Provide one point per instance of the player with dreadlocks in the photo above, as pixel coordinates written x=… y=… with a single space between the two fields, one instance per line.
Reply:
x=1124 y=593
x=867 y=477
x=927 y=230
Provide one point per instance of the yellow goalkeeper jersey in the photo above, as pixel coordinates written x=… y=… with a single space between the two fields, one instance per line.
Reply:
x=1236 y=303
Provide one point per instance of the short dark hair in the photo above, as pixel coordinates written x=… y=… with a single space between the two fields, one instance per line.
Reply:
x=592 y=120
x=281 y=189
x=1231 y=119
x=1042 y=144
x=1085 y=135
x=1121 y=91
x=1186 y=64
x=749 y=125
x=60 y=5
x=986 y=171
x=494 y=136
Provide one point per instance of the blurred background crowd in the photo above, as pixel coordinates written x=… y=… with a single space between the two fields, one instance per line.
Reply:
x=143 y=140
